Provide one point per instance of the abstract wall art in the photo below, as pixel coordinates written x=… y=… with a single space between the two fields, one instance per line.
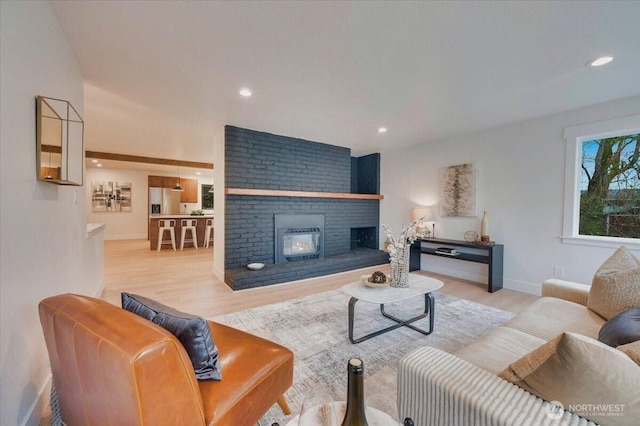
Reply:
x=111 y=196
x=458 y=191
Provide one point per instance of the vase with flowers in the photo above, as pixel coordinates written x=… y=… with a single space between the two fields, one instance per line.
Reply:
x=399 y=249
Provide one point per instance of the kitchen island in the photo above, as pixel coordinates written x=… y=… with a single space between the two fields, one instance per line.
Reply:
x=200 y=227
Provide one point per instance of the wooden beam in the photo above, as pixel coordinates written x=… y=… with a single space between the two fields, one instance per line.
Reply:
x=148 y=160
x=51 y=148
x=307 y=194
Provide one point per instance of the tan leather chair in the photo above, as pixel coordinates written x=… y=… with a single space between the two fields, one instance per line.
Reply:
x=111 y=367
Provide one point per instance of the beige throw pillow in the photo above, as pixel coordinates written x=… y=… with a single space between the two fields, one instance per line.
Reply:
x=616 y=285
x=589 y=378
x=632 y=350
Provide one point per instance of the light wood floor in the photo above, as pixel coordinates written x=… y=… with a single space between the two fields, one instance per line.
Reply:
x=184 y=280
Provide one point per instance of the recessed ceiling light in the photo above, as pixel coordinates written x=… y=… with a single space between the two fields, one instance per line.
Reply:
x=94 y=161
x=382 y=130
x=198 y=173
x=98 y=165
x=602 y=60
x=245 y=92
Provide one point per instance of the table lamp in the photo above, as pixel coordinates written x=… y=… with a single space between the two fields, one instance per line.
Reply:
x=425 y=215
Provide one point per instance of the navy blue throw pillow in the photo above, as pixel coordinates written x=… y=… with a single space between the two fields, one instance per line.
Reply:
x=192 y=331
x=622 y=329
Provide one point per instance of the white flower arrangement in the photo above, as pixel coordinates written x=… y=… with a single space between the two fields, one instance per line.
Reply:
x=397 y=246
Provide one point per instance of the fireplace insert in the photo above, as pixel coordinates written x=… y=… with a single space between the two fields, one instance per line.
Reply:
x=298 y=237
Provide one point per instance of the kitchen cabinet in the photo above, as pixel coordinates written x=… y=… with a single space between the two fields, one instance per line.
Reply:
x=190 y=193
x=170 y=181
x=156 y=181
x=190 y=186
x=163 y=181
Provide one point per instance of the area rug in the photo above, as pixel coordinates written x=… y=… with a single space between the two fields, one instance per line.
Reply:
x=315 y=328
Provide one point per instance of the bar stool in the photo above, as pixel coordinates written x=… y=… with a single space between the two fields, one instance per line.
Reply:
x=189 y=225
x=167 y=225
x=208 y=232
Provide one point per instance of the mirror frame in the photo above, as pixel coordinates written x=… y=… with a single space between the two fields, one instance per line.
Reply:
x=68 y=149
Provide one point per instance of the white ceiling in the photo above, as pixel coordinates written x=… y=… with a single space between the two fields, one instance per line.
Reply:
x=162 y=78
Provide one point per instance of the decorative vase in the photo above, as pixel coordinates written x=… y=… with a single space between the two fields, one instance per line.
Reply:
x=400 y=267
x=484 y=227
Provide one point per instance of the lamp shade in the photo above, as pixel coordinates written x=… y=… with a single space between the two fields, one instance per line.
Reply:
x=178 y=187
x=421 y=212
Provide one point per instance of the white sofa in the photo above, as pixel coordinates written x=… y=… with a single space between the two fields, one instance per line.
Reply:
x=438 y=388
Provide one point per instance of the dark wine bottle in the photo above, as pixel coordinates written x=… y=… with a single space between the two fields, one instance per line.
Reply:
x=354 y=416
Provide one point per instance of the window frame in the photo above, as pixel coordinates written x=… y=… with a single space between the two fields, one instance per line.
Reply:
x=574 y=136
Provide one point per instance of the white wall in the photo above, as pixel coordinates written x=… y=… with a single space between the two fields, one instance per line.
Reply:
x=219 y=204
x=520 y=182
x=134 y=224
x=43 y=245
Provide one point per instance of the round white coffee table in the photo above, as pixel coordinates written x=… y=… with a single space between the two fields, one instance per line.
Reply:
x=418 y=285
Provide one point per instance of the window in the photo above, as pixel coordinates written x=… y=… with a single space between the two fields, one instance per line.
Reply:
x=207 y=197
x=610 y=187
x=602 y=188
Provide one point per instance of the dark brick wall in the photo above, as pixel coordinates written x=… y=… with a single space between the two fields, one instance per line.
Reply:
x=368 y=174
x=354 y=175
x=261 y=160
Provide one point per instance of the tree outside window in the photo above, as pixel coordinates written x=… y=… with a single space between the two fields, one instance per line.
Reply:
x=207 y=197
x=610 y=187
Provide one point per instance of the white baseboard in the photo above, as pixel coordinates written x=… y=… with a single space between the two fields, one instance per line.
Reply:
x=521 y=286
x=38 y=407
x=219 y=274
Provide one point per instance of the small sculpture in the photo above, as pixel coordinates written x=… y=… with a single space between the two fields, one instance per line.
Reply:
x=378 y=277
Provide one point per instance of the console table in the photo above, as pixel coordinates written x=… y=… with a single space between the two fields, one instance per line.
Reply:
x=492 y=255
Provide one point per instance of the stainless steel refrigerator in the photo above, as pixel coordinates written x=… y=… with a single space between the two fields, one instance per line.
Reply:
x=164 y=201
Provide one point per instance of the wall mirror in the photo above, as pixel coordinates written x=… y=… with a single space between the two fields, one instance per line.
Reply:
x=59 y=142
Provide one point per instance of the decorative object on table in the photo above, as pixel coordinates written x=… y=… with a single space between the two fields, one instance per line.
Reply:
x=423 y=215
x=375 y=281
x=471 y=236
x=484 y=228
x=255 y=266
x=111 y=196
x=355 y=415
x=448 y=251
x=197 y=212
x=321 y=407
x=458 y=191
x=399 y=249
x=378 y=277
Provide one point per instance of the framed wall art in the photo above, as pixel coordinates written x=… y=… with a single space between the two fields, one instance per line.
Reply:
x=458 y=191
x=111 y=196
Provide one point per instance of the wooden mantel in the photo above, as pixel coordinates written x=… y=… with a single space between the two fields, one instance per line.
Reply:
x=307 y=194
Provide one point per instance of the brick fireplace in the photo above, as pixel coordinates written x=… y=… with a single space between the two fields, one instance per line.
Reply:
x=348 y=235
